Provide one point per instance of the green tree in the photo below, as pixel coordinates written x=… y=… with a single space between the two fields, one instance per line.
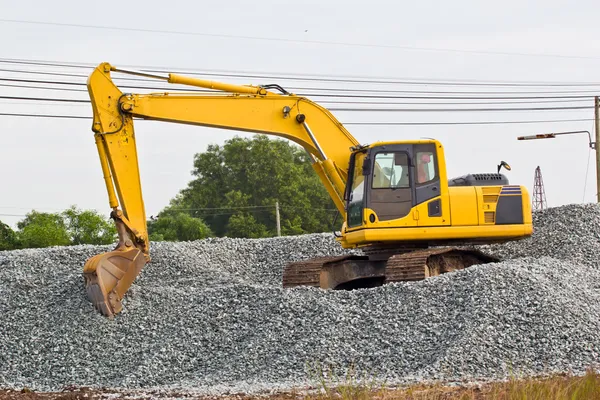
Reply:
x=40 y=229
x=88 y=227
x=177 y=226
x=236 y=185
x=8 y=237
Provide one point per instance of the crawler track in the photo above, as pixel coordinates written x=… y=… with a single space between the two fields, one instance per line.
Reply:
x=384 y=266
x=307 y=273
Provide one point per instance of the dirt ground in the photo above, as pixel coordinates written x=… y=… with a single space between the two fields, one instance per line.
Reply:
x=439 y=393
x=558 y=387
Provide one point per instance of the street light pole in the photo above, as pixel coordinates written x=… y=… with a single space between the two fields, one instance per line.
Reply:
x=555 y=134
x=593 y=145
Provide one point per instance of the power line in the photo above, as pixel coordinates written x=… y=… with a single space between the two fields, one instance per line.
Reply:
x=468 y=122
x=541 y=101
x=43 y=116
x=344 y=123
x=300 y=76
x=286 y=40
x=148 y=80
x=358 y=96
x=219 y=208
x=65 y=100
x=459 y=103
x=54 y=99
x=559 y=93
x=41 y=87
x=458 y=109
x=236 y=209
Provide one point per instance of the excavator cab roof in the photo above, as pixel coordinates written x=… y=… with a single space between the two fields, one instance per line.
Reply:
x=405 y=142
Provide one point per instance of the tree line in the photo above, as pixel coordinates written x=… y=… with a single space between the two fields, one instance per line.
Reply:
x=233 y=193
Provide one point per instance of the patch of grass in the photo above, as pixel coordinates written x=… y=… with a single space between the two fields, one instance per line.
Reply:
x=349 y=386
x=565 y=387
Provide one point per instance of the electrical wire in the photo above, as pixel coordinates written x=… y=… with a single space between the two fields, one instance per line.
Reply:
x=467 y=122
x=558 y=93
x=249 y=209
x=147 y=80
x=329 y=98
x=299 y=76
x=54 y=99
x=325 y=101
x=287 y=40
x=344 y=123
x=42 y=88
x=43 y=116
x=356 y=109
x=561 y=96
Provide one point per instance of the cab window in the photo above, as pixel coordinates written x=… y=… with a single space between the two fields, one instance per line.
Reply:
x=426 y=165
x=357 y=190
x=390 y=170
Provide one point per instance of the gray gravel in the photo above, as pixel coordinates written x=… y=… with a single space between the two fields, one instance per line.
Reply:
x=202 y=318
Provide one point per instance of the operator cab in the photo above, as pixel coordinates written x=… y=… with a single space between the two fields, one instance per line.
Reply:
x=391 y=179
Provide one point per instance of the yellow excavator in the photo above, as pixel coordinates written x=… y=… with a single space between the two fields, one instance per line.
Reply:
x=398 y=206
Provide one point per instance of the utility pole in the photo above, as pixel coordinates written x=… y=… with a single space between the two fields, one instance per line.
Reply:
x=597 y=145
x=277 y=218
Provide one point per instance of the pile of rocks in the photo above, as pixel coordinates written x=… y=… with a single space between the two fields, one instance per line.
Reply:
x=210 y=316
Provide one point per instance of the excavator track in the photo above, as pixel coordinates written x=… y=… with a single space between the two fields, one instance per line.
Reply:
x=307 y=273
x=380 y=267
x=422 y=264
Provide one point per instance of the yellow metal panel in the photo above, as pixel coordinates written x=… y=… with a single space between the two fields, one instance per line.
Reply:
x=463 y=205
x=185 y=80
x=116 y=145
x=253 y=114
x=527 y=217
x=406 y=221
x=426 y=220
x=339 y=204
x=392 y=235
x=486 y=204
x=123 y=161
x=414 y=141
x=259 y=115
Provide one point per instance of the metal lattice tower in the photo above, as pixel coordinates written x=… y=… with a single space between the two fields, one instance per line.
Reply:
x=539 y=193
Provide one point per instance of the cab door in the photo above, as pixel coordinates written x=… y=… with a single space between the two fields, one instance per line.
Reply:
x=355 y=192
x=431 y=203
x=390 y=192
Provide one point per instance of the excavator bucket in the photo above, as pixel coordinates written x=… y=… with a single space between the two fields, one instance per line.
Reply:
x=108 y=276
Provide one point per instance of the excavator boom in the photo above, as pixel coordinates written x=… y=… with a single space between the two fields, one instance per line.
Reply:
x=394 y=196
x=242 y=108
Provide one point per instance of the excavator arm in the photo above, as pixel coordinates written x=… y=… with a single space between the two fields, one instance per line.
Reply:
x=395 y=197
x=244 y=108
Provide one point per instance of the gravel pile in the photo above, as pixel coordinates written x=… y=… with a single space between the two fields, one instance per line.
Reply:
x=570 y=233
x=211 y=317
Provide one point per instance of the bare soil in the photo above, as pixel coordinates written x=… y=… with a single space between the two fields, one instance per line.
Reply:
x=438 y=393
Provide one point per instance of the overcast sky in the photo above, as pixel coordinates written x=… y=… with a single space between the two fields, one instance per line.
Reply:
x=50 y=164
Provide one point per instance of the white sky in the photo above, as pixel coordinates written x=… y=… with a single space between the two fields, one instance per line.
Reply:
x=49 y=164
